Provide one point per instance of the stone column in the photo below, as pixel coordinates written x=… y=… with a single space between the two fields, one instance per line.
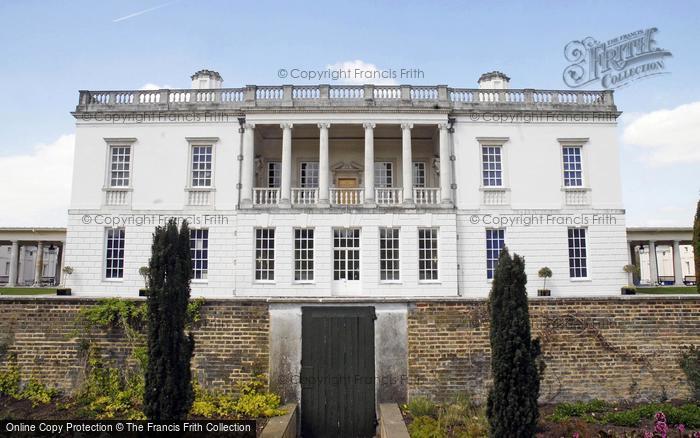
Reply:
x=369 y=163
x=653 y=266
x=286 y=184
x=407 y=163
x=677 y=266
x=445 y=166
x=59 y=263
x=38 y=263
x=248 y=165
x=323 y=166
x=14 y=264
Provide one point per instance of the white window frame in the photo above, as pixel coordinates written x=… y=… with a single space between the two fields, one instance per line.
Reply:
x=574 y=176
x=274 y=177
x=193 y=142
x=384 y=174
x=119 y=178
x=414 y=176
x=491 y=271
x=350 y=254
x=585 y=258
x=304 y=252
x=500 y=142
x=118 y=142
x=390 y=255
x=307 y=172
x=108 y=255
x=264 y=266
x=497 y=179
x=198 y=175
x=199 y=252
x=434 y=250
x=575 y=143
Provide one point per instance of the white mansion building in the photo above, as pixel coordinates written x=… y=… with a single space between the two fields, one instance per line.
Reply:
x=349 y=191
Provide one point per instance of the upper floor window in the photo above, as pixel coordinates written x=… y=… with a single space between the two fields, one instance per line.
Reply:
x=265 y=254
x=383 y=174
x=199 y=252
x=492 y=166
x=274 y=174
x=578 y=257
x=308 y=174
x=114 y=253
x=202 y=157
x=495 y=240
x=119 y=165
x=389 y=254
x=418 y=174
x=573 y=171
x=304 y=254
x=346 y=254
x=427 y=254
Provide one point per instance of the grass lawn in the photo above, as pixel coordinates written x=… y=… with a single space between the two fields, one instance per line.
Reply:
x=668 y=290
x=27 y=291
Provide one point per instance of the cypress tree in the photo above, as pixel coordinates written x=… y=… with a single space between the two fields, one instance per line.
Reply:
x=512 y=401
x=696 y=244
x=168 y=394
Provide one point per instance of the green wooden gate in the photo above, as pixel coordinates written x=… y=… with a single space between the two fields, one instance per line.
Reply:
x=337 y=372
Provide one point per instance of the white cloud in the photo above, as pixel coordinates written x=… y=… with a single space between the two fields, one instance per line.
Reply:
x=666 y=136
x=152 y=86
x=36 y=186
x=360 y=72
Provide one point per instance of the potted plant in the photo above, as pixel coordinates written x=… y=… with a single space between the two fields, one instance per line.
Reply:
x=631 y=271
x=64 y=291
x=143 y=272
x=544 y=274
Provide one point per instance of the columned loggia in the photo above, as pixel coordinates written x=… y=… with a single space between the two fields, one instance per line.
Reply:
x=445 y=165
x=248 y=165
x=369 y=163
x=407 y=163
x=323 y=166
x=286 y=177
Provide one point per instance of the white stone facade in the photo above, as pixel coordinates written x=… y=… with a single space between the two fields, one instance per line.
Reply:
x=344 y=157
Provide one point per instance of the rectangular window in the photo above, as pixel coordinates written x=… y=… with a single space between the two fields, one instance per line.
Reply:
x=199 y=252
x=119 y=166
x=492 y=169
x=201 y=166
x=495 y=240
x=304 y=254
x=427 y=254
x=346 y=254
x=573 y=173
x=383 y=174
x=418 y=174
x=114 y=253
x=265 y=254
x=308 y=175
x=389 y=254
x=577 y=253
x=274 y=174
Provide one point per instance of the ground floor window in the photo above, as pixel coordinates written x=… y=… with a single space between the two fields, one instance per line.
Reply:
x=427 y=254
x=304 y=254
x=346 y=254
x=495 y=240
x=389 y=254
x=199 y=252
x=577 y=253
x=114 y=253
x=265 y=254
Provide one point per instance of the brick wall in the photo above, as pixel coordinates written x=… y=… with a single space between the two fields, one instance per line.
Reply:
x=611 y=349
x=231 y=341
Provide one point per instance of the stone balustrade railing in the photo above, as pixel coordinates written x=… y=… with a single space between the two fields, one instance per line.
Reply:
x=310 y=96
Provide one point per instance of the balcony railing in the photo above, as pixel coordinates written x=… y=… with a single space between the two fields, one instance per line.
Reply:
x=388 y=196
x=266 y=196
x=304 y=196
x=323 y=96
x=346 y=196
x=426 y=196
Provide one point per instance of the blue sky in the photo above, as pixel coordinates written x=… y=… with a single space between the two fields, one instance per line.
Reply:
x=53 y=49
